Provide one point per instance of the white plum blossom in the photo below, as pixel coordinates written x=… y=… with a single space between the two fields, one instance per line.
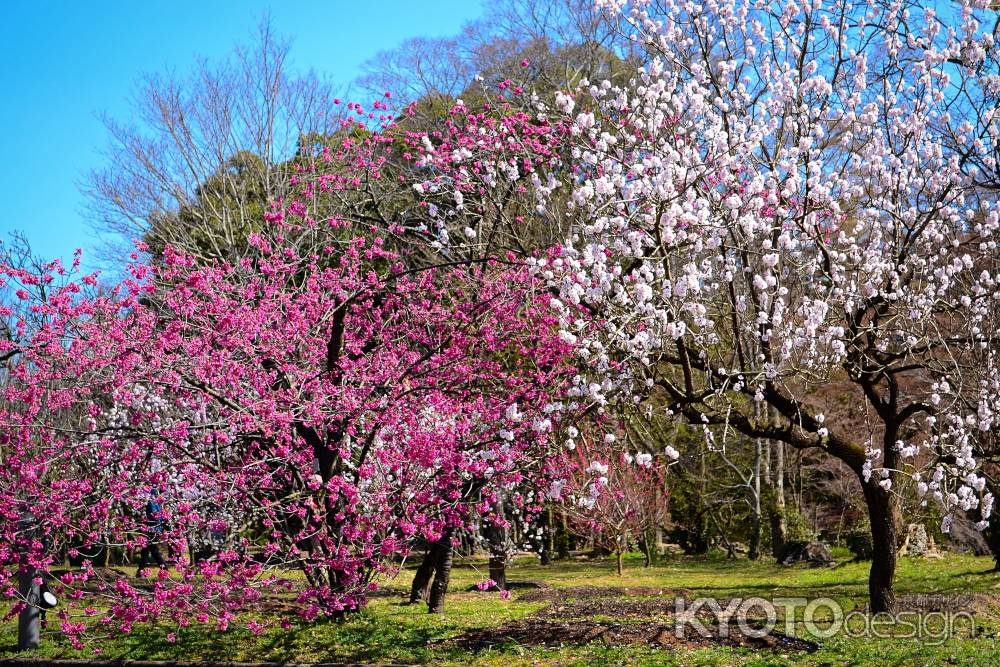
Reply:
x=596 y=467
x=806 y=206
x=754 y=230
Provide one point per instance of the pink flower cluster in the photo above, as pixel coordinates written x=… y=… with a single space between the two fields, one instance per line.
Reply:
x=304 y=412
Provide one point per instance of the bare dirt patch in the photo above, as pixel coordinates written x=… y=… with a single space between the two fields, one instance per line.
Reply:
x=553 y=634
x=618 y=616
x=608 y=607
x=513 y=586
x=591 y=592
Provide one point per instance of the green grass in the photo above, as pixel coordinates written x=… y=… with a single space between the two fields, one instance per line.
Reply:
x=387 y=631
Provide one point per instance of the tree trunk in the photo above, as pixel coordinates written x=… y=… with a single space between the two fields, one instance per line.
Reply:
x=992 y=532
x=548 y=539
x=883 y=514
x=420 y=590
x=993 y=539
x=497 y=538
x=29 y=623
x=442 y=574
x=498 y=566
x=779 y=529
x=618 y=562
x=336 y=586
x=648 y=546
x=755 y=504
x=562 y=538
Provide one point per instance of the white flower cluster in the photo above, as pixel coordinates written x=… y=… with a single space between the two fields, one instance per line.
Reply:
x=771 y=230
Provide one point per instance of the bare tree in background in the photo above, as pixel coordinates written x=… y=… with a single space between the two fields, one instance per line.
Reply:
x=204 y=152
x=423 y=67
x=563 y=40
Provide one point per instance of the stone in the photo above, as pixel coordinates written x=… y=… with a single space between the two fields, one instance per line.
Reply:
x=916 y=542
x=965 y=538
x=814 y=553
x=932 y=550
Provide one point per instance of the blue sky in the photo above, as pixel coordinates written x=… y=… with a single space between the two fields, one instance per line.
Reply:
x=61 y=63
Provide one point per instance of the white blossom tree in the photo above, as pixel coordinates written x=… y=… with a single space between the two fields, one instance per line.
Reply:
x=790 y=195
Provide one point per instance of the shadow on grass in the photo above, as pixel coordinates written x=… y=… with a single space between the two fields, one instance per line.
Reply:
x=361 y=638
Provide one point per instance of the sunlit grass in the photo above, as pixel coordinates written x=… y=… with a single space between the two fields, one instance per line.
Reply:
x=389 y=631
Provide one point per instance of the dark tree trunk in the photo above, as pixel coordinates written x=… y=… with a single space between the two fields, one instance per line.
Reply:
x=562 y=538
x=498 y=568
x=992 y=535
x=992 y=532
x=116 y=556
x=442 y=574
x=335 y=577
x=779 y=528
x=778 y=532
x=883 y=515
x=993 y=539
x=753 y=549
x=420 y=590
x=647 y=543
x=496 y=535
x=548 y=541
x=755 y=501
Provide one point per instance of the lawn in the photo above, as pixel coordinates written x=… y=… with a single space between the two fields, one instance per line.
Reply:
x=586 y=614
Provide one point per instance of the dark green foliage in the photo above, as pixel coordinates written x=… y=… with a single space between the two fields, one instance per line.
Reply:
x=859 y=541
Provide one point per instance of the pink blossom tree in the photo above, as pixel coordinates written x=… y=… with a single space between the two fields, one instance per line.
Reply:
x=615 y=496
x=319 y=412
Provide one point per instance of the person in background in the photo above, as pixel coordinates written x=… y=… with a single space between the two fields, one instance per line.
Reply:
x=154 y=522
